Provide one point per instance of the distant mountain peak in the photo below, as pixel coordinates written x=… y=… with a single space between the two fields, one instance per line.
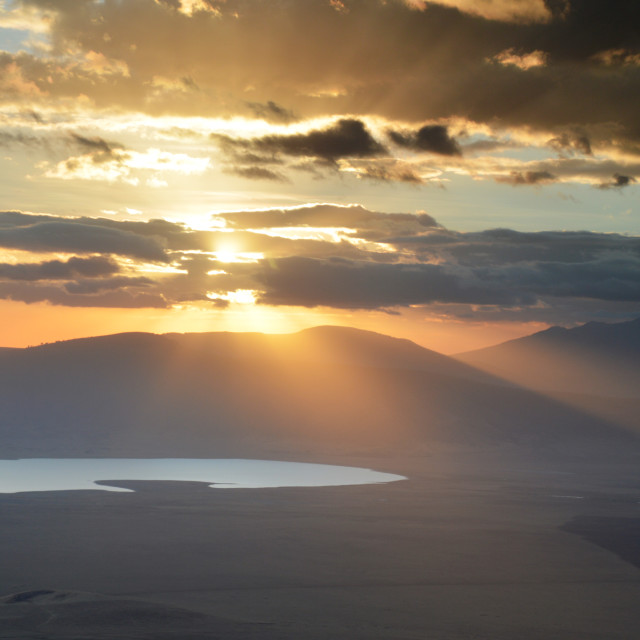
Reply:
x=597 y=358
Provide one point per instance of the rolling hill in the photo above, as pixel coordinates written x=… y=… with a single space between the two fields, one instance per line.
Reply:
x=240 y=395
x=593 y=359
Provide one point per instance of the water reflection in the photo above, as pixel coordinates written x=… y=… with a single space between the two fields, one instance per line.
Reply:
x=65 y=474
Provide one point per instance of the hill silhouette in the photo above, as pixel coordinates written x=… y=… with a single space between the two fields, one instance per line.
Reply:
x=253 y=395
x=594 y=359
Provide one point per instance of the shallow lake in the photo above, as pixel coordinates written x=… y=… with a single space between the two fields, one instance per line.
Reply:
x=66 y=474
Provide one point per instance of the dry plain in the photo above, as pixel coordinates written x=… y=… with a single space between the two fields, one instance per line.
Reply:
x=464 y=548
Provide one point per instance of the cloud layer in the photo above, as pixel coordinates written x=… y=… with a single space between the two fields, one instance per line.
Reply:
x=408 y=90
x=341 y=257
x=121 y=118
x=410 y=60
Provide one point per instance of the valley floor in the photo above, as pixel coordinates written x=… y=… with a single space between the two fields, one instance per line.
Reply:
x=458 y=551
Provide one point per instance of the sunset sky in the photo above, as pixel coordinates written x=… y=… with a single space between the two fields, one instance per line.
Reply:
x=457 y=172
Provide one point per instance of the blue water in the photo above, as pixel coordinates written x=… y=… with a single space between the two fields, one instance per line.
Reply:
x=66 y=474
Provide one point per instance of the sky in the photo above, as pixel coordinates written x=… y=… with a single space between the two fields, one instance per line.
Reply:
x=459 y=172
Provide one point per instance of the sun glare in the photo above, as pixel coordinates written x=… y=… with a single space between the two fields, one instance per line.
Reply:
x=242 y=296
x=238 y=256
x=239 y=296
x=326 y=234
x=226 y=255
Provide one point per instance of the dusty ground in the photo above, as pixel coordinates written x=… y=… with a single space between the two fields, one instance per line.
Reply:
x=458 y=551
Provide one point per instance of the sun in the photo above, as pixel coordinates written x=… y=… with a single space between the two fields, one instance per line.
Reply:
x=242 y=296
x=226 y=255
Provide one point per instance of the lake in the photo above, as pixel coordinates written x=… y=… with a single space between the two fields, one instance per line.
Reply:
x=70 y=474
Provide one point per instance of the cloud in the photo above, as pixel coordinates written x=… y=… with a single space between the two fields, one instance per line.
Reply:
x=414 y=62
x=518 y=178
x=594 y=170
x=158 y=236
x=342 y=257
x=271 y=112
x=618 y=182
x=386 y=170
x=107 y=163
x=584 y=28
x=85 y=286
x=8 y=138
x=370 y=225
x=55 y=295
x=518 y=11
x=504 y=247
x=501 y=269
x=612 y=278
x=345 y=138
x=524 y=61
x=618 y=57
x=426 y=264
x=487 y=145
x=49 y=234
x=572 y=143
x=96 y=145
x=14 y=81
x=433 y=138
x=257 y=173
x=93 y=267
x=347 y=284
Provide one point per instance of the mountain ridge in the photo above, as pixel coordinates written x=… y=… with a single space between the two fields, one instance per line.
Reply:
x=248 y=395
x=595 y=358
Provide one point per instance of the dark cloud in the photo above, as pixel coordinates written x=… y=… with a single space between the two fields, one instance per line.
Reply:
x=93 y=267
x=56 y=295
x=99 y=150
x=346 y=138
x=618 y=182
x=85 y=286
x=371 y=225
x=174 y=236
x=174 y=4
x=567 y=143
x=257 y=173
x=385 y=261
x=408 y=64
x=8 y=138
x=94 y=144
x=505 y=247
x=503 y=269
x=271 y=112
x=189 y=83
x=434 y=138
x=347 y=284
x=36 y=117
x=155 y=235
x=596 y=171
x=250 y=158
x=519 y=178
x=389 y=171
x=607 y=279
x=69 y=235
x=583 y=28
